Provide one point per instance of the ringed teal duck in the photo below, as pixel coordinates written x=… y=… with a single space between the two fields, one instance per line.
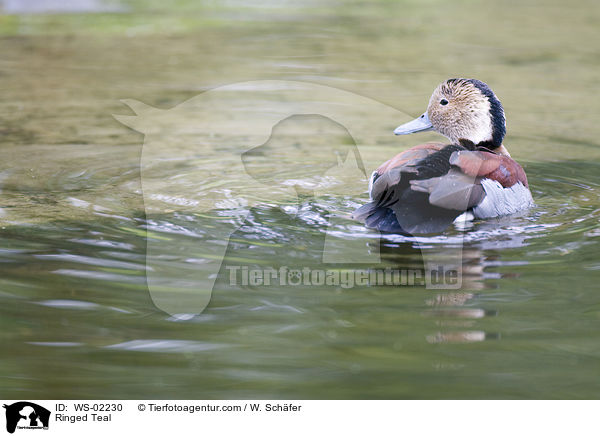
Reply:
x=424 y=189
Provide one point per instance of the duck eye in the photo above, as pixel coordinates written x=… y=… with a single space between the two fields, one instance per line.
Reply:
x=443 y=102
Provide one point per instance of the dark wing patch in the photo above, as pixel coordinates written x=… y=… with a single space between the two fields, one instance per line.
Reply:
x=416 y=215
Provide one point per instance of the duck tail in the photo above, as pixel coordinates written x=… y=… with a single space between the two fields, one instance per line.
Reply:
x=363 y=212
x=379 y=218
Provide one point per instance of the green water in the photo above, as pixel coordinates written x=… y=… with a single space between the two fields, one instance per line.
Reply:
x=77 y=315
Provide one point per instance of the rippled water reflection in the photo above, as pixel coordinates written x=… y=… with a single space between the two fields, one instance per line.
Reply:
x=77 y=317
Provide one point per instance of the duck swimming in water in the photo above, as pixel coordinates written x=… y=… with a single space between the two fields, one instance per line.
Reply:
x=424 y=189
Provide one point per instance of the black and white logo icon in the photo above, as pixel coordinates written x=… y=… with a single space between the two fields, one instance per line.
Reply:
x=26 y=415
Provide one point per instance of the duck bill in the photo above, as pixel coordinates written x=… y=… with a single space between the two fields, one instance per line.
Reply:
x=421 y=124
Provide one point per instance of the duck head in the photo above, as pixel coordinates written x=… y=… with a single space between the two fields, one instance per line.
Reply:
x=466 y=111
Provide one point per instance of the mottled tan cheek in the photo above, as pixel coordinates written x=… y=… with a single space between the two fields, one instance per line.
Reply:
x=436 y=117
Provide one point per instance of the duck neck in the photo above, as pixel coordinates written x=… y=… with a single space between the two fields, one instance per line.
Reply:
x=488 y=145
x=503 y=151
